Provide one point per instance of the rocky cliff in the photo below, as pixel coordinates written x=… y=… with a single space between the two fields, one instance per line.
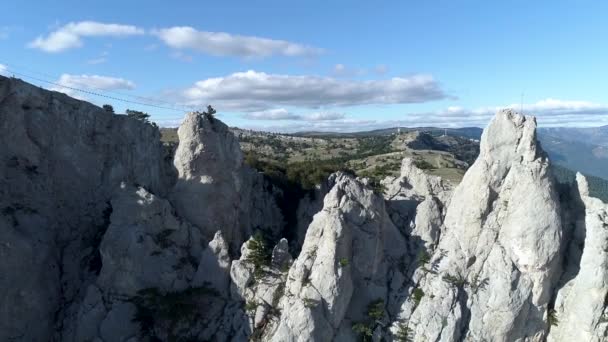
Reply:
x=106 y=237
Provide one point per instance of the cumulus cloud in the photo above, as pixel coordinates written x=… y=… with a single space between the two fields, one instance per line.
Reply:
x=549 y=113
x=284 y=114
x=3 y=69
x=90 y=82
x=272 y=114
x=95 y=82
x=70 y=35
x=341 y=70
x=253 y=91
x=226 y=44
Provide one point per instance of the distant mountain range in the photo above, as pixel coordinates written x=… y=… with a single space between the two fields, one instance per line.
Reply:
x=579 y=149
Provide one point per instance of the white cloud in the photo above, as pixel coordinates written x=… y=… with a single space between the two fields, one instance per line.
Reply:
x=90 y=82
x=284 y=114
x=548 y=112
x=70 y=35
x=3 y=69
x=226 y=44
x=272 y=114
x=341 y=70
x=95 y=82
x=324 y=116
x=253 y=91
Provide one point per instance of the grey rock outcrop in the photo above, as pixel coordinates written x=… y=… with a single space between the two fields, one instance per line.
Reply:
x=350 y=244
x=580 y=308
x=60 y=162
x=214 y=190
x=499 y=257
x=416 y=203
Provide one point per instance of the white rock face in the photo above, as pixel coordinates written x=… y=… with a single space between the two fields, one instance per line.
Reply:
x=215 y=191
x=498 y=258
x=60 y=162
x=348 y=246
x=416 y=203
x=580 y=306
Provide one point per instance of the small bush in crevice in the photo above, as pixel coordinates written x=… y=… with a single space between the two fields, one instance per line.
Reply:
x=365 y=331
x=343 y=262
x=552 y=317
x=404 y=333
x=375 y=313
x=259 y=254
x=417 y=295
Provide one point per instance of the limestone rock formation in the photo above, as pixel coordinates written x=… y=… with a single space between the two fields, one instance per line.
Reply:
x=348 y=260
x=580 y=310
x=105 y=238
x=88 y=205
x=214 y=190
x=60 y=162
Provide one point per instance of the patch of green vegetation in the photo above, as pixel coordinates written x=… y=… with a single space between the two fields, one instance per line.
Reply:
x=552 y=317
x=598 y=187
x=277 y=295
x=138 y=115
x=479 y=284
x=375 y=310
x=259 y=255
x=251 y=306
x=375 y=313
x=423 y=164
x=417 y=295
x=404 y=333
x=457 y=280
x=167 y=315
x=343 y=262
x=365 y=331
x=423 y=258
x=309 y=302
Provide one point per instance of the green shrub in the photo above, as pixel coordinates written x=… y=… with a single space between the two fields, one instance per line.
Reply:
x=375 y=310
x=417 y=295
x=423 y=165
x=365 y=331
x=309 y=302
x=251 y=306
x=343 y=262
x=457 y=280
x=259 y=254
x=552 y=318
x=404 y=333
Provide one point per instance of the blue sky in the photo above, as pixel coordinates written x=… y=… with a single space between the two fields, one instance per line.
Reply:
x=322 y=65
